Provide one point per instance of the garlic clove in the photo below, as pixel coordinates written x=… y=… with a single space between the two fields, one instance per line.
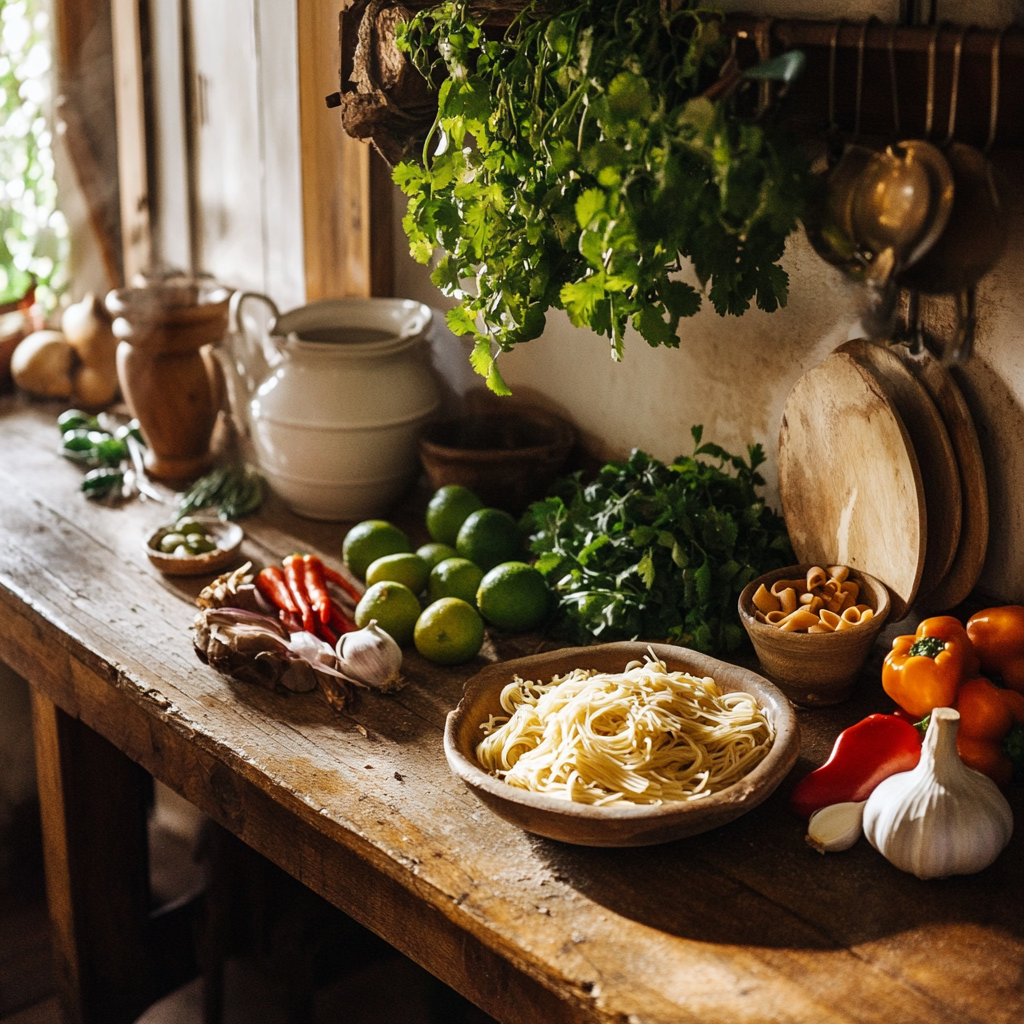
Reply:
x=836 y=827
x=371 y=657
x=942 y=818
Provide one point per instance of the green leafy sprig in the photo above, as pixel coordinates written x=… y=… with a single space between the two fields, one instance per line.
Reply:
x=574 y=162
x=658 y=551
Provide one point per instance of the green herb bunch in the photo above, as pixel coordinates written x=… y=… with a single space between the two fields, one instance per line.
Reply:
x=575 y=161
x=658 y=551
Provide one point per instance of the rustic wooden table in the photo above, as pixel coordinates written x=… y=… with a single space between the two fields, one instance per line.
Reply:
x=744 y=924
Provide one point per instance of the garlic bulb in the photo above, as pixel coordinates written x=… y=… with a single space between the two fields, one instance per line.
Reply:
x=942 y=818
x=836 y=827
x=370 y=657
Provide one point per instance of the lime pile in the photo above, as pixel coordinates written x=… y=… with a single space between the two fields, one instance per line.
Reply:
x=439 y=595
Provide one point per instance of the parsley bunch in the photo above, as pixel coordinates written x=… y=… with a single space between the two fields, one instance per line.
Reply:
x=575 y=161
x=658 y=551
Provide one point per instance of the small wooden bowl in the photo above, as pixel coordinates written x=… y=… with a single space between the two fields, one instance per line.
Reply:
x=631 y=825
x=227 y=537
x=814 y=669
x=506 y=459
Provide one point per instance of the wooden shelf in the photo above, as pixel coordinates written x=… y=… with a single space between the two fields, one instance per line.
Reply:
x=384 y=99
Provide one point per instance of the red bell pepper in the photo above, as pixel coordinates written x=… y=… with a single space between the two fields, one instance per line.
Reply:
x=863 y=755
x=998 y=637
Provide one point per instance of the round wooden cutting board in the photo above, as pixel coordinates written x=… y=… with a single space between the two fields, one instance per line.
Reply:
x=970 y=554
x=935 y=456
x=849 y=478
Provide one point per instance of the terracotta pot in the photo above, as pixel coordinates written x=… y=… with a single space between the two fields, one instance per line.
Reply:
x=168 y=375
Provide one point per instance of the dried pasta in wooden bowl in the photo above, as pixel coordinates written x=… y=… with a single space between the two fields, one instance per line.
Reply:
x=820 y=601
x=813 y=626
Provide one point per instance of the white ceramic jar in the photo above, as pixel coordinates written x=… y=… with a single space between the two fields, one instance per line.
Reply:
x=335 y=404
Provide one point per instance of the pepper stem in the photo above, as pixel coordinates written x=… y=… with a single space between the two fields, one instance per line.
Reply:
x=927 y=647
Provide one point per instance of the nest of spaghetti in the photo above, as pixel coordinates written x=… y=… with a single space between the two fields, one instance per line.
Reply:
x=646 y=735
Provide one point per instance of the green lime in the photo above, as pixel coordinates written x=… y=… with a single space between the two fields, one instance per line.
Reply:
x=369 y=540
x=402 y=568
x=448 y=510
x=449 y=632
x=489 y=537
x=513 y=596
x=433 y=553
x=394 y=606
x=454 y=577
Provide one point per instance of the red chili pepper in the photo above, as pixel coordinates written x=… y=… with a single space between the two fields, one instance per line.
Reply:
x=274 y=587
x=341 y=622
x=294 y=573
x=319 y=597
x=337 y=578
x=290 y=620
x=324 y=632
x=863 y=755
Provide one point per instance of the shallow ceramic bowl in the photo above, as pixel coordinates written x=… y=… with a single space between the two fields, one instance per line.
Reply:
x=632 y=825
x=814 y=669
x=227 y=537
x=506 y=459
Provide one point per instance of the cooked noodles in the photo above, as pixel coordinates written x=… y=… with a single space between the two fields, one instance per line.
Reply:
x=642 y=736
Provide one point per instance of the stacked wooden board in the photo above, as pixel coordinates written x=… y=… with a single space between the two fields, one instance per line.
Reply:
x=880 y=468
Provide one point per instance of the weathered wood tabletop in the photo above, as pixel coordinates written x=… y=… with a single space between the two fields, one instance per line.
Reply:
x=743 y=924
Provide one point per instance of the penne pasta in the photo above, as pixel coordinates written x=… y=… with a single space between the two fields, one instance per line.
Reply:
x=816 y=577
x=765 y=601
x=800 y=586
x=825 y=601
x=799 y=620
x=829 y=618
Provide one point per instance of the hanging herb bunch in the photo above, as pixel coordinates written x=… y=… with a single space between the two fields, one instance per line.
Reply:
x=575 y=161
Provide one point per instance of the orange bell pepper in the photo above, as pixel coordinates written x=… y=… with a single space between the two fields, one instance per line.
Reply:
x=987 y=714
x=998 y=637
x=946 y=627
x=925 y=670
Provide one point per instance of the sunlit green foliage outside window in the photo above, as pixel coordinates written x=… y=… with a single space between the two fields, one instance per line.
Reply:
x=33 y=232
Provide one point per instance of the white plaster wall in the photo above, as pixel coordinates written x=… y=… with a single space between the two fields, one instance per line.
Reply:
x=733 y=374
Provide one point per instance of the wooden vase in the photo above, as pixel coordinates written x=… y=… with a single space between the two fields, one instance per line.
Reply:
x=169 y=377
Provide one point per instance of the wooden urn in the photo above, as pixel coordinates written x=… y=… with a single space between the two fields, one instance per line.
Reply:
x=168 y=374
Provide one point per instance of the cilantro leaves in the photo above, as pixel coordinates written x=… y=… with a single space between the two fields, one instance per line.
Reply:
x=573 y=163
x=658 y=551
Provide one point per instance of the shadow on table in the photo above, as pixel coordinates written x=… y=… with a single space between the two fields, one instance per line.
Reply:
x=756 y=882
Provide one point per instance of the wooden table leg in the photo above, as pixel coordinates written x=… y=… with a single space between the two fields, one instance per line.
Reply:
x=93 y=802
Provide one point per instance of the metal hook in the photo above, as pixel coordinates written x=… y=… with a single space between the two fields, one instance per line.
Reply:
x=993 y=108
x=832 y=126
x=967 y=322
x=954 y=89
x=929 y=111
x=861 y=43
x=892 y=82
x=915 y=323
x=763 y=41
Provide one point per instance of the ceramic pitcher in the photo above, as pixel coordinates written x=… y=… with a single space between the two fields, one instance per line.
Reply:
x=333 y=398
x=168 y=375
